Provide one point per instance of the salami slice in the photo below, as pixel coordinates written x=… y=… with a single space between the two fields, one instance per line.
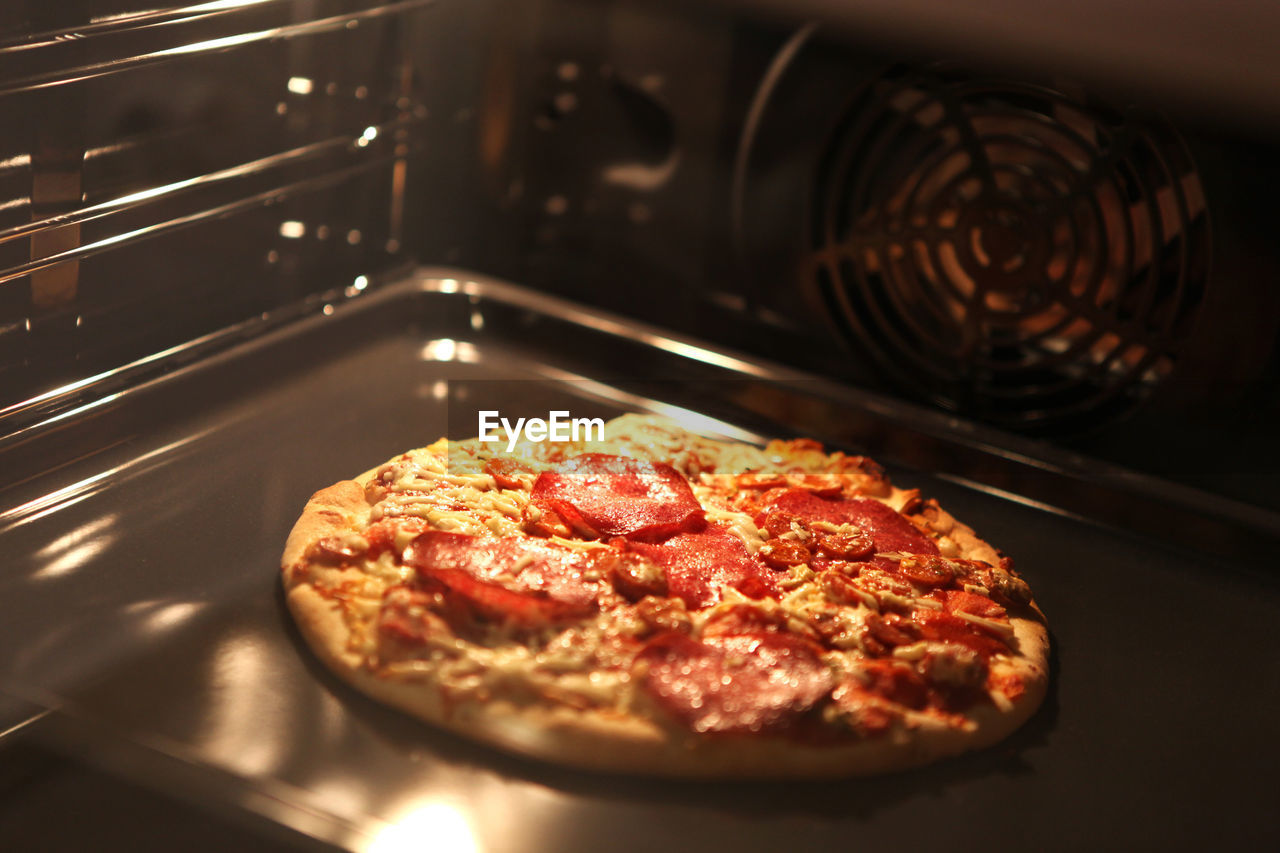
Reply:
x=735 y=683
x=890 y=530
x=599 y=496
x=700 y=565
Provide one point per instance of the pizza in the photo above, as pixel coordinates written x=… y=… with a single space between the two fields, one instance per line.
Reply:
x=659 y=602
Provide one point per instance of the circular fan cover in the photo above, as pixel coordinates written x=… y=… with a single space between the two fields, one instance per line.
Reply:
x=1013 y=251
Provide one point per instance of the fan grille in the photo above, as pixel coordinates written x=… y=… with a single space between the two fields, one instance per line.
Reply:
x=1014 y=251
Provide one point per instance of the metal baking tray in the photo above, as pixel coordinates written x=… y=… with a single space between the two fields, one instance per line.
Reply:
x=142 y=515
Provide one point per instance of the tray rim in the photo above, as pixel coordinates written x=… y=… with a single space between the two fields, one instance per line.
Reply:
x=1035 y=461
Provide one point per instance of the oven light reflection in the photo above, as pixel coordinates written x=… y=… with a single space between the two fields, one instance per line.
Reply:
x=438 y=827
x=300 y=85
x=159 y=617
x=249 y=726
x=447 y=349
x=73 y=550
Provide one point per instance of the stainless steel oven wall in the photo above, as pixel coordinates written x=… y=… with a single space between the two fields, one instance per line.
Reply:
x=167 y=170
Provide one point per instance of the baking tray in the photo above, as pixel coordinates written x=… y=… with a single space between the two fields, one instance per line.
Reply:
x=143 y=626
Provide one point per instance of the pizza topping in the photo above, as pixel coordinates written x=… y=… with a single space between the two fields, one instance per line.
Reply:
x=951 y=665
x=735 y=683
x=896 y=682
x=969 y=602
x=336 y=549
x=700 y=565
x=841 y=588
x=880 y=582
x=661 y=615
x=860 y=709
x=507 y=473
x=737 y=523
x=406 y=616
x=845 y=542
x=523 y=566
x=760 y=481
x=889 y=530
x=952 y=628
x=925 y=570
x=782 y=523
x=1002 y=585
x=784 y=553
x=492 y=602
x=599 y=496
x=823 y=485
x=633 y=575
x=744 y=619
x=891 y=629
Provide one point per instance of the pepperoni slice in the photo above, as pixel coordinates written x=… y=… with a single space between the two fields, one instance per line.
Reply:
x=737 y=683
x=890 y=530
x=969 y=602
x=897 y=683
x=949 y=628
x=519 y=578
x=496 y=603
x=698 y=565
x=599 y=495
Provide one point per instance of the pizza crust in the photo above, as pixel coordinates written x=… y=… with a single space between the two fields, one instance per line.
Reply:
x=619 y=742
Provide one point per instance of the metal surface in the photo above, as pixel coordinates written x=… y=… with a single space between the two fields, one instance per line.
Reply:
x=140 y=600
x=1021 y=253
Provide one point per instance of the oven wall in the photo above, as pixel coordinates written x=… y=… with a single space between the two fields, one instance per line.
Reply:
x=167 y=173
x=668 y=161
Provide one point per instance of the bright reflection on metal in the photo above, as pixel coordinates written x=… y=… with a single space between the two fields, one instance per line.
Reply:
x=67 y=496
x=441 y=350
x=216 y=6
x=439 y=389
x=246 y=709
x=360 y=283
x=574 y=313
x=157 y=617
x=299 y=85
x=477 y=320
x=111 y=206
x=72 y=550
x=293 y=229
x=370 y=133
x=447 y=349
x=112 y=66
x=439 y=827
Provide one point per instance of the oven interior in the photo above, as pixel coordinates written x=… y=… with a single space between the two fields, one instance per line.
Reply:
x=1020 y=247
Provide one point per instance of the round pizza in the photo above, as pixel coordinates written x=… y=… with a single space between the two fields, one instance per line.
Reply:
x=659 y=602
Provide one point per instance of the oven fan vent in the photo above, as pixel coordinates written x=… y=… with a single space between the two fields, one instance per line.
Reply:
x=1019 y=253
